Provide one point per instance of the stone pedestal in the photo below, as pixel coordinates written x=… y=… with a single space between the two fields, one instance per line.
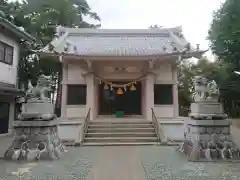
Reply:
x=35 y=140
x=36 y=134
x=207 y=110
x=37 y=110
x=207 y=134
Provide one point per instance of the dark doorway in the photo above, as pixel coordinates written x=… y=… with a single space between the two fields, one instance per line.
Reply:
x=129 y=102
x=4 y=117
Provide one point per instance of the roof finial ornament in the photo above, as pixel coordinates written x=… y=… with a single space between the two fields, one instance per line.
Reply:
x=174 y=49
x=2 y=14
x=60 y=30
x=198 y=47
x=66 y=47
x=187 y=47
x=75 y=49
x=21 y=28
x=164 y=48
x=50 y=47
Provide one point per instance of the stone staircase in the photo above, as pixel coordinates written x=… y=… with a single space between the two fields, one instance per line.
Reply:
x=122 y=132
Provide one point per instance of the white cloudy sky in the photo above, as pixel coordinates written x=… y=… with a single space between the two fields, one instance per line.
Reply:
x=193 y=15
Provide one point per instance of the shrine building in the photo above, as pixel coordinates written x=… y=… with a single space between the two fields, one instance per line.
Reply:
x=105 y=71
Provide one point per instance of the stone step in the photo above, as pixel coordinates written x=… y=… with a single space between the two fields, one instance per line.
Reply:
x=121 y=122
x=121 y=134
x=121 y=139
x=121 y=144
x=95 y=126
x=126 y=130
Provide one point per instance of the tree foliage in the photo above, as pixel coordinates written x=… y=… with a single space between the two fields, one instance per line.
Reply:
x=40 y=18
x=224 y=36
x=225 y=32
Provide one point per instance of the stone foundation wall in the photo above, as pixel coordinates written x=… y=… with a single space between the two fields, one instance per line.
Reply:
x=209 y=140
x=204 y=133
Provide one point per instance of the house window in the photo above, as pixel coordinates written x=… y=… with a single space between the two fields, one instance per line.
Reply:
x=76 y=94
x=6 y=53
x=163 y=94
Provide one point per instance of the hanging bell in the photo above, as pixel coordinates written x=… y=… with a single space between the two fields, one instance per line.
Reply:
x=119 y=91
x=132 y=88
x=106 y=87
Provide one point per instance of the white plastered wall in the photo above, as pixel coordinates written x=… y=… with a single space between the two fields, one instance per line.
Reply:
x=167 y=74
x=8 y=73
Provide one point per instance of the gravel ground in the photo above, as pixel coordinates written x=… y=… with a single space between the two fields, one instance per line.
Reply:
x=164 y=163
x=75 y=164
x=159 y=163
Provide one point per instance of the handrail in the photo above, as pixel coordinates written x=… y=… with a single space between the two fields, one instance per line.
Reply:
x=87 y=119
x=85 y=126
x=158 y=128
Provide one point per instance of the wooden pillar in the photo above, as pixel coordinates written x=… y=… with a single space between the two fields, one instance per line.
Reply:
x=64 y=92
x=91 y=95
x=149 y=96
x=175 y=92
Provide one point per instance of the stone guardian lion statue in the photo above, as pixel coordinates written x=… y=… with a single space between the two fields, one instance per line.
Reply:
x=204 y=89
x=41 y=90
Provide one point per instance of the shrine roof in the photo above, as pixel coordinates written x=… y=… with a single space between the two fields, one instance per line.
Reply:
x=118 y=42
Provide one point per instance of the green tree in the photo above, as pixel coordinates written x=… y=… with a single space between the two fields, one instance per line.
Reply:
x=224 y=36
x=40 y=18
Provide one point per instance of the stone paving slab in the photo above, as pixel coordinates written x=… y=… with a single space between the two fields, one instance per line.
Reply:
x=118 y=163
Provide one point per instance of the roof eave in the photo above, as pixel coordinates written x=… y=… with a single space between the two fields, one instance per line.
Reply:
x=57 y=54
x=16 y=30
x=198 y=54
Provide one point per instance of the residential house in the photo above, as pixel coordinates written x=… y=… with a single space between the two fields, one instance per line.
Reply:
x=10 y=39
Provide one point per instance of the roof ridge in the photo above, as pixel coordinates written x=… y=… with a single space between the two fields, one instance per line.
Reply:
x=156 y=31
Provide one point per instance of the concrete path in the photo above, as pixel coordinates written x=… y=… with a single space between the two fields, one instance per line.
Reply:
x=118 y=163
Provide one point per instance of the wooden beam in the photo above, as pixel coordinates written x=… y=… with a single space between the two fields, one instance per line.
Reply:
x=89 y=63
x=151 y=63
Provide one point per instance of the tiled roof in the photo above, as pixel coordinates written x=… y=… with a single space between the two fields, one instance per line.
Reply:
x=16 y=30
x=118 y=42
